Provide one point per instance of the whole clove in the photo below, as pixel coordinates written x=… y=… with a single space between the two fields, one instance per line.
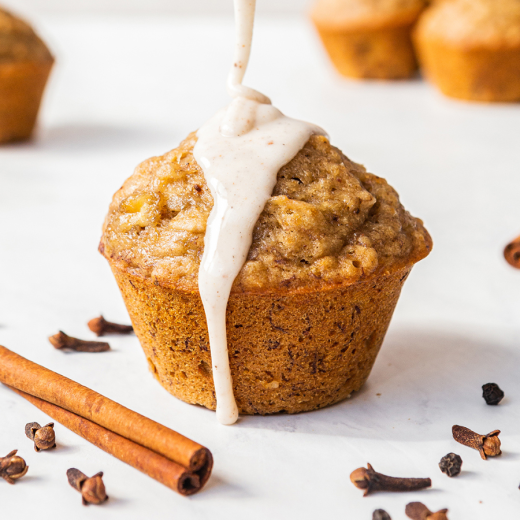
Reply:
x=12 y=467
x=487 y=445
x=61 y=341
x=418 y=511
x=492 y=393
x=512 y=253
x=380 y=514
x=92 y=489
x=100 y=327
x=44 y=437
x=451 y=464
x=369 y=480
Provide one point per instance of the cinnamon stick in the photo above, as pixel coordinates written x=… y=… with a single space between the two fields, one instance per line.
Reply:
x=33 y=379
x=160 y=468
x=512 y=253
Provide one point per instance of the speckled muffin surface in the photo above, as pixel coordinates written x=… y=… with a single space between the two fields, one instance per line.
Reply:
x=309 y=310
x=290 y=352
x=471 y=48
x=328 y=222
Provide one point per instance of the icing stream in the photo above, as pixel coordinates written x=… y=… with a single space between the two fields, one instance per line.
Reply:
x=240 y=150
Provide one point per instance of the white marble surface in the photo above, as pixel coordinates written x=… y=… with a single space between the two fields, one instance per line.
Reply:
x=125 y=89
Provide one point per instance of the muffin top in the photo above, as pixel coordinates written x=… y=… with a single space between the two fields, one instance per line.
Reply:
x=18 y=41
x=358 y=14
x=472 y=23
x=328 y=222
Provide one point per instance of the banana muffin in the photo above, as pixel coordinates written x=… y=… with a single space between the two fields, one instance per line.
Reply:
x=369 y=39
x=25 y=64
x=309 y=309
x=470 y=49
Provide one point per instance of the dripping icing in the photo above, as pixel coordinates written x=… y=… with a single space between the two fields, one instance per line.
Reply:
x=240 y=150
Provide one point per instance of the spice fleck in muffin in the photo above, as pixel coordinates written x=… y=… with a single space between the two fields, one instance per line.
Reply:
x=25 y=64
x=309 y=309
x=369 y=39
x=470 y=49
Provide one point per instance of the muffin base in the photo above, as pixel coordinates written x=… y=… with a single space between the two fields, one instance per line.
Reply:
x=376 y=53
x=290 y=352
x=21 y=91
x=474 y=74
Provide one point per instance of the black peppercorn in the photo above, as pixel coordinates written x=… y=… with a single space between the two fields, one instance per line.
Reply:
x=492 y=393
x=380 y=514
x=451 y=464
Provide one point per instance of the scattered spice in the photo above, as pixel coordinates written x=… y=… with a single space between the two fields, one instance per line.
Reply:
x=487 y=445
x=418 y=511
x=92 y=488
x=492 y=393
x=61 y=341
x=380 y=514
x=161 y=453
x=44 y=437
x=451 y=464
x=12 y=467
x=512 y=253
x=100 y=327
x=369 y=480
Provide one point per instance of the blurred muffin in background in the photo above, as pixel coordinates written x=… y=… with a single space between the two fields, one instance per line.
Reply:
x=470 y=49
x=25 y=64
x=369 y=39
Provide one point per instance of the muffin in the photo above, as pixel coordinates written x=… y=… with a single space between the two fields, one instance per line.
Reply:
x=309 y=309
x=470 y=49
x=25 y=64
x=369 y=39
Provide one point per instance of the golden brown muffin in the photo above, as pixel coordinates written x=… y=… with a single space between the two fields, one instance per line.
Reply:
x=308 y=311
x=369 y=39
x=25 y=64
x=470 y=49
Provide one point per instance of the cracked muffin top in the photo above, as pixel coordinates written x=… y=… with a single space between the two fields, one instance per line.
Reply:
x=19 y=42
x=473 y=22
x=341 y=14
x=328 y=222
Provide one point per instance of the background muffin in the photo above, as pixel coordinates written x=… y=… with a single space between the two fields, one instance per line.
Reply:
x=470 y=49
x=310 y=307
x=369 y=38
x=25 y=64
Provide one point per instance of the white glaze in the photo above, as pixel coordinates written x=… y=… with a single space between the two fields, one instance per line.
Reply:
x=240 y=151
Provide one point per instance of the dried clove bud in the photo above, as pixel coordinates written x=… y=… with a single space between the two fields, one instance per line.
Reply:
x=369 y=480
x=492 y=393
x=451 y=464
x=418 y=511
x=380 y=514
x=100 y=327
x=12 y=467
x=61 y=341
x=92 y=488
x=487 y=445
x=512 y=253
x=44 y=437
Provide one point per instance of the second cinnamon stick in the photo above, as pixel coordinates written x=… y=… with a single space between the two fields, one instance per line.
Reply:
x=156 y=466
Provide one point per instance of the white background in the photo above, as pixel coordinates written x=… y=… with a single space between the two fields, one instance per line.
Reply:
x=148 y=6
x=128 y=87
